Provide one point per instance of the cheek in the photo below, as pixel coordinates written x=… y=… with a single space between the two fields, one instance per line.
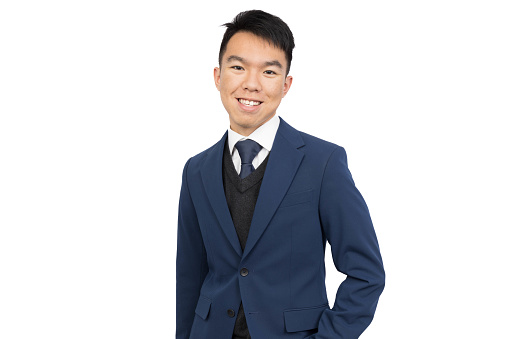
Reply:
x=275 y=90
x=232 y=81
x=276 y=94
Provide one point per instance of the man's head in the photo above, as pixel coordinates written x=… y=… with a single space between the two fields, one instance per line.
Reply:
x=264 y=25
x=254 y=61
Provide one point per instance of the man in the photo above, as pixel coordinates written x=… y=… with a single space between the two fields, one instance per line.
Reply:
x=257 y=208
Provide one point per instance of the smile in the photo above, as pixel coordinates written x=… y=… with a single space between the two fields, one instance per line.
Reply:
x=249 y=102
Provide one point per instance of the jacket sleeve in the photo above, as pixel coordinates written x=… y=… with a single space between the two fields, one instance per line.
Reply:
x=191 y=261
x=347 y=225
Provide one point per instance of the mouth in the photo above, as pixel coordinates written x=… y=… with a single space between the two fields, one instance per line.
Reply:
x=248 y=102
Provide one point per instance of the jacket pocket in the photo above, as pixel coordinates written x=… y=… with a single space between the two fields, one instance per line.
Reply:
x=297 y=198
x=203 y=307
x=303 y=319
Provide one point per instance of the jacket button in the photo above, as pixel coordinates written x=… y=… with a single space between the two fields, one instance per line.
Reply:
x=244 y=272
x=231 y=313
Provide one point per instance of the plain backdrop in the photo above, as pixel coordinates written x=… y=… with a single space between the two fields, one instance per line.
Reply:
x=102 y=102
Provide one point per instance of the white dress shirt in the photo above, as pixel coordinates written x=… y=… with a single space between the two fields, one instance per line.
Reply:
x=263 y=135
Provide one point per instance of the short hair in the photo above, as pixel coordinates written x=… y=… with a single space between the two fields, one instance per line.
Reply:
x=264 y=25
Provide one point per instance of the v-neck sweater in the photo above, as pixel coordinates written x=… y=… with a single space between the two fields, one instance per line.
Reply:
x=241 y=196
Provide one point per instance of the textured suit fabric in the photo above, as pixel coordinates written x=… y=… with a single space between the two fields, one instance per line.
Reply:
x=307 y=197
x=241 y=195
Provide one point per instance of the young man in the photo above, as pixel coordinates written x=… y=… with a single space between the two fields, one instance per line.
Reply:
x=257 y=208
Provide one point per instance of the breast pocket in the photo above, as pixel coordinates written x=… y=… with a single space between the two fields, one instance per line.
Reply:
x=297 y=198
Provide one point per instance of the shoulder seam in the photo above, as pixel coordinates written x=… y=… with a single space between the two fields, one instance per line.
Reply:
x=324 y=170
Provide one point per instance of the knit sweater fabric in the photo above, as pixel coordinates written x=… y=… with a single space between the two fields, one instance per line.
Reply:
x=241 y=196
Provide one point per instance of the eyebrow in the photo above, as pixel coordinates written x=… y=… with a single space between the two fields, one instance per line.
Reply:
x=267 y=63
x=273 y=63
x=236 y=58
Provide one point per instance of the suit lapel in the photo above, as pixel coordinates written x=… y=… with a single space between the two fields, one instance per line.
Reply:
x=284 y=161
x=212 y=176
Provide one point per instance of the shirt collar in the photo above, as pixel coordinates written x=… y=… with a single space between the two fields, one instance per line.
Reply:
x=263 y=135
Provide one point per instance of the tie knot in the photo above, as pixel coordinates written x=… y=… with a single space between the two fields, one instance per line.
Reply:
x=248 y=149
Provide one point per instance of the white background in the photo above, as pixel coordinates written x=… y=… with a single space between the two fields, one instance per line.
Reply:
x=102 y=102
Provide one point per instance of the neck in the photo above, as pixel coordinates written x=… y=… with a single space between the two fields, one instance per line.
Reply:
x=248 y=130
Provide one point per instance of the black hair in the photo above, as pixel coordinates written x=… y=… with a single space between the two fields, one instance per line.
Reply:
x=264 y=25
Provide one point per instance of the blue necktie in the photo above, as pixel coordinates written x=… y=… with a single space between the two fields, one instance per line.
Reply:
x=248 y=149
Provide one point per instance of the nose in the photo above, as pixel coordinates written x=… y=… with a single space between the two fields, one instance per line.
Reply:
x=252 y=82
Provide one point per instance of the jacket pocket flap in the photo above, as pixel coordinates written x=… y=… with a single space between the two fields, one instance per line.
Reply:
x=203 y=307
x=297 y=198
x=303 y=319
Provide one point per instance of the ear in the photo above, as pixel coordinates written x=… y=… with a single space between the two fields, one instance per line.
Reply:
x=287 y=85
x=217 y=77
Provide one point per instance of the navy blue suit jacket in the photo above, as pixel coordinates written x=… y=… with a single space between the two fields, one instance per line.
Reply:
x=307 y=197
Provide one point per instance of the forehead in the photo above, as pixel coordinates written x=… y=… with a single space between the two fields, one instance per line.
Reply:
x=253 y=48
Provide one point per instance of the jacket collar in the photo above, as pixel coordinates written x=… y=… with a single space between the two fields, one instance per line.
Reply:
x=283 y=163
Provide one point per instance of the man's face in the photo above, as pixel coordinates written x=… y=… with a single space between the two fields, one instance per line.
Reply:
x=252 y=81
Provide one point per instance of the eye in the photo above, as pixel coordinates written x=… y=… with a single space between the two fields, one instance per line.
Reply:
x=270 y=72
x=237 y=68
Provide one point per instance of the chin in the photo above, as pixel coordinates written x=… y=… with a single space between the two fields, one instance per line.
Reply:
x=246 y=122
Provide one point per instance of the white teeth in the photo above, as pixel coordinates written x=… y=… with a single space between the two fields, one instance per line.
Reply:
x=249 y=103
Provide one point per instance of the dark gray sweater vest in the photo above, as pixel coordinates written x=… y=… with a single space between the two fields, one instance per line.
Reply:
x=241 y=195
